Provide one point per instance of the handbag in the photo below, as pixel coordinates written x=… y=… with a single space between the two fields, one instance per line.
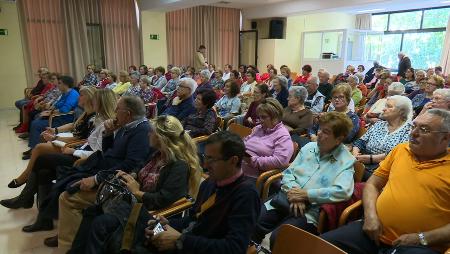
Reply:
x=280 y=202
x=112 y=193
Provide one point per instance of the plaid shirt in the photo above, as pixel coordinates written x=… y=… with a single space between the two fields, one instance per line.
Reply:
x=90 y=80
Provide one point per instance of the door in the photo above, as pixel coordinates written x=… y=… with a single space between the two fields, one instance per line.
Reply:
x=248 y=47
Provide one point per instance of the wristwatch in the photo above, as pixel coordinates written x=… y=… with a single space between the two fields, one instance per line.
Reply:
x=422 y=239
x=179 y=242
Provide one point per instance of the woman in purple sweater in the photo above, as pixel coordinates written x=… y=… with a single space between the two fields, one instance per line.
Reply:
x=270 y=145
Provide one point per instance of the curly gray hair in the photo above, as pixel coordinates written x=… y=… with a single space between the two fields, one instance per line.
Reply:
x=299 y=92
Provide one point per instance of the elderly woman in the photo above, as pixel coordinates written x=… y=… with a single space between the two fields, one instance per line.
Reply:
x=90 y=79
x=272 y=75
x=280 y=90
x=203 y=81
x=103 y=80
x=384 y=135
x=216 y=80
x=440 y=99
x=321 y=173
x=159 y=80
x=170 y=174
x=269 y=146
x=143 y=70
x=396 y=88
x=380 y=90
x=408 y=80
x=434 y=82
x=173 y=83
x=134 y=89
x=204 y=121
x=415 y=85
x=340 y=98
x=361 y=86
x=296 y=117
x=286 y=72
x=229 y=105
x=250 y=118
x=353 y=81
x=124 y=83
x=236 y=77
x=248 y=87
x=183 y=104
x=306 y=74
x=146 y=91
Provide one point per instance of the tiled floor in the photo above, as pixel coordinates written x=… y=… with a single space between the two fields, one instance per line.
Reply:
x=12 y=239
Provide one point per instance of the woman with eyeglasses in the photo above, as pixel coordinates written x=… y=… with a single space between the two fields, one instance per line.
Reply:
x=440 y=99
x=172 y=172
x=434 y=82
x=340 y=98
x=134 y=89
x=269 y=146
x=103 y=80
x=393 y=129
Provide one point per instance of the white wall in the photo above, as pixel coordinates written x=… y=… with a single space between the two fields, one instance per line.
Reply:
x=154 y=51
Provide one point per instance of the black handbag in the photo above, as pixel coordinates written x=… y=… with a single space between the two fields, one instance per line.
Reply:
x=112 y=193
x=280 y=202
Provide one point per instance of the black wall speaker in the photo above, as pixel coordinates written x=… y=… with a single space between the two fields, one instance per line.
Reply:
x=276 y=29
x=254 y=25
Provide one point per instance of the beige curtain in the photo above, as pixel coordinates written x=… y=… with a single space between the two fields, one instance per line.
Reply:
x=216 y=28
x=363 y=21
x=445 y=55
x=44 y=33
x=120 y=34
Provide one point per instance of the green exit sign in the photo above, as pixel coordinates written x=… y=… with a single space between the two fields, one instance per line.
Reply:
x=154 y=36
x=3 y=31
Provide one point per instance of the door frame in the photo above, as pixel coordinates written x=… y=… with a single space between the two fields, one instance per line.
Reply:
x=256 y=45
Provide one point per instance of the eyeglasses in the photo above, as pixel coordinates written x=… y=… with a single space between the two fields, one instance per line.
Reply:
x=184 y=87
x=430 y=83
x=424 y=130
x=339 y=98
x=209 y=159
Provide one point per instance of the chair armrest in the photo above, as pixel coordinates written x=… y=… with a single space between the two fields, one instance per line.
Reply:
x=264 y=176
x=53 y=115
x=200 y=139
x=268 y=183
x=322 y=221
x=348 y=211
x=176 y=208
x=76 y=143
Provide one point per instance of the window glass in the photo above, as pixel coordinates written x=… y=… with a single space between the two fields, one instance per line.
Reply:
x=332 y=43
x=379 y=22
x=388 y=50
x=435 y=18
x=405 y=20
x=312 y=45
x=424 y=49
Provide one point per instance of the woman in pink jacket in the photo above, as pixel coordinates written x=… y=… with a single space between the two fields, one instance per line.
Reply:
x=270 y=145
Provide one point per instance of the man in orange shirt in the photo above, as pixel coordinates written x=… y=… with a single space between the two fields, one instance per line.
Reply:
x=407 y=199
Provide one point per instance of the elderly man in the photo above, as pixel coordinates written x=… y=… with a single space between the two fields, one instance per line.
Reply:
x=225 y=212
x=403 y=64
x=125 y=147
x=204 y=82
x=321 y=173
x=226 y=72
x=315 y=100
x=183 y=105
x=440 y=99
x=406 y=200
x=324 y=86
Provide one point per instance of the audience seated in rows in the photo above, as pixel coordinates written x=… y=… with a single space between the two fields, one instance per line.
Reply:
x=434 y=82
x=247 y=88
x=296 y=117
x=440 y=99
x=306 y=74
x=182 y=105
x=230 y=104
x=315 y=100
x=321 y=173
x=324 y=86
x=394 y=220
x=204 y=121
x=280 y=90
x=269 y=146
x=251 y=119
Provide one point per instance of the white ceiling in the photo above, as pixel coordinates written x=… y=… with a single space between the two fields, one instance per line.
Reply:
x=252 y=9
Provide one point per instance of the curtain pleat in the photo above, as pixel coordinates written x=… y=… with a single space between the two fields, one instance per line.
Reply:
x=216 y=28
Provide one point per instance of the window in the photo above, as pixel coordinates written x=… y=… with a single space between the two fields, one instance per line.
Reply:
x=418 y=33
x=323 y=45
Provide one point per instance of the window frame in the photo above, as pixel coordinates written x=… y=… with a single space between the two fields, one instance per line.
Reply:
x=409 y=31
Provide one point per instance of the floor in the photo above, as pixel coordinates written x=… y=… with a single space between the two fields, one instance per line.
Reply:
x=12 y=239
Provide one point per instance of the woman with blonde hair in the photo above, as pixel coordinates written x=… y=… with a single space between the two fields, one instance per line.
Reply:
x=54 y=153
x=124 y=83
x=172 y=172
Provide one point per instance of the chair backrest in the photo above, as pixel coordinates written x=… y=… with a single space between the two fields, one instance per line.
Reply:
x=359 y=171
x=292 y=240
x=362 y=130
x=241 y=130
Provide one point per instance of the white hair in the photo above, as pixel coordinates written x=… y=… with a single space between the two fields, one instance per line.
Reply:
x=283 y=80
x=404 y=105
x=205 y=74
x=445 y=115
x=396 y=88
x=355 y=78
x=314 y=79
x=445 y=92
x=299 y=92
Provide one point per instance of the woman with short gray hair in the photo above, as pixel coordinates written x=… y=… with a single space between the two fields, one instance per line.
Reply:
x=396 y=88
x=385 y=134
x=134 y=89
x=280 y=90
x=440 y=99
x=296 y=117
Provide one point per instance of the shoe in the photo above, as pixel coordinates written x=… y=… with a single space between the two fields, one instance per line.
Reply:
x=51 y=241
x=27 y=152
x=26 y=157
x=24 y=135
x=45 y=225
x=17 y=202
x=15 y=184
x=22 y=129
x=17 y=127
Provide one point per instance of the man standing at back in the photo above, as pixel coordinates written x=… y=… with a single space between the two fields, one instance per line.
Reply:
x=403 y=64
x=200 y=62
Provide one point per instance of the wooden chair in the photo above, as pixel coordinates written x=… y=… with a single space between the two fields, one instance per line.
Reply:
x=362 y=130
x=241 y=130
x=292 y=240
x=178 y=207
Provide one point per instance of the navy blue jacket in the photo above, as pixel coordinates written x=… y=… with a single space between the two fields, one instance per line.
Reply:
x=182 y=110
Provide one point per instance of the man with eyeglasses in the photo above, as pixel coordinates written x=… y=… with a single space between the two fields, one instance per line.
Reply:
x=226 y=209
x=407 y=199
x=315 y=99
